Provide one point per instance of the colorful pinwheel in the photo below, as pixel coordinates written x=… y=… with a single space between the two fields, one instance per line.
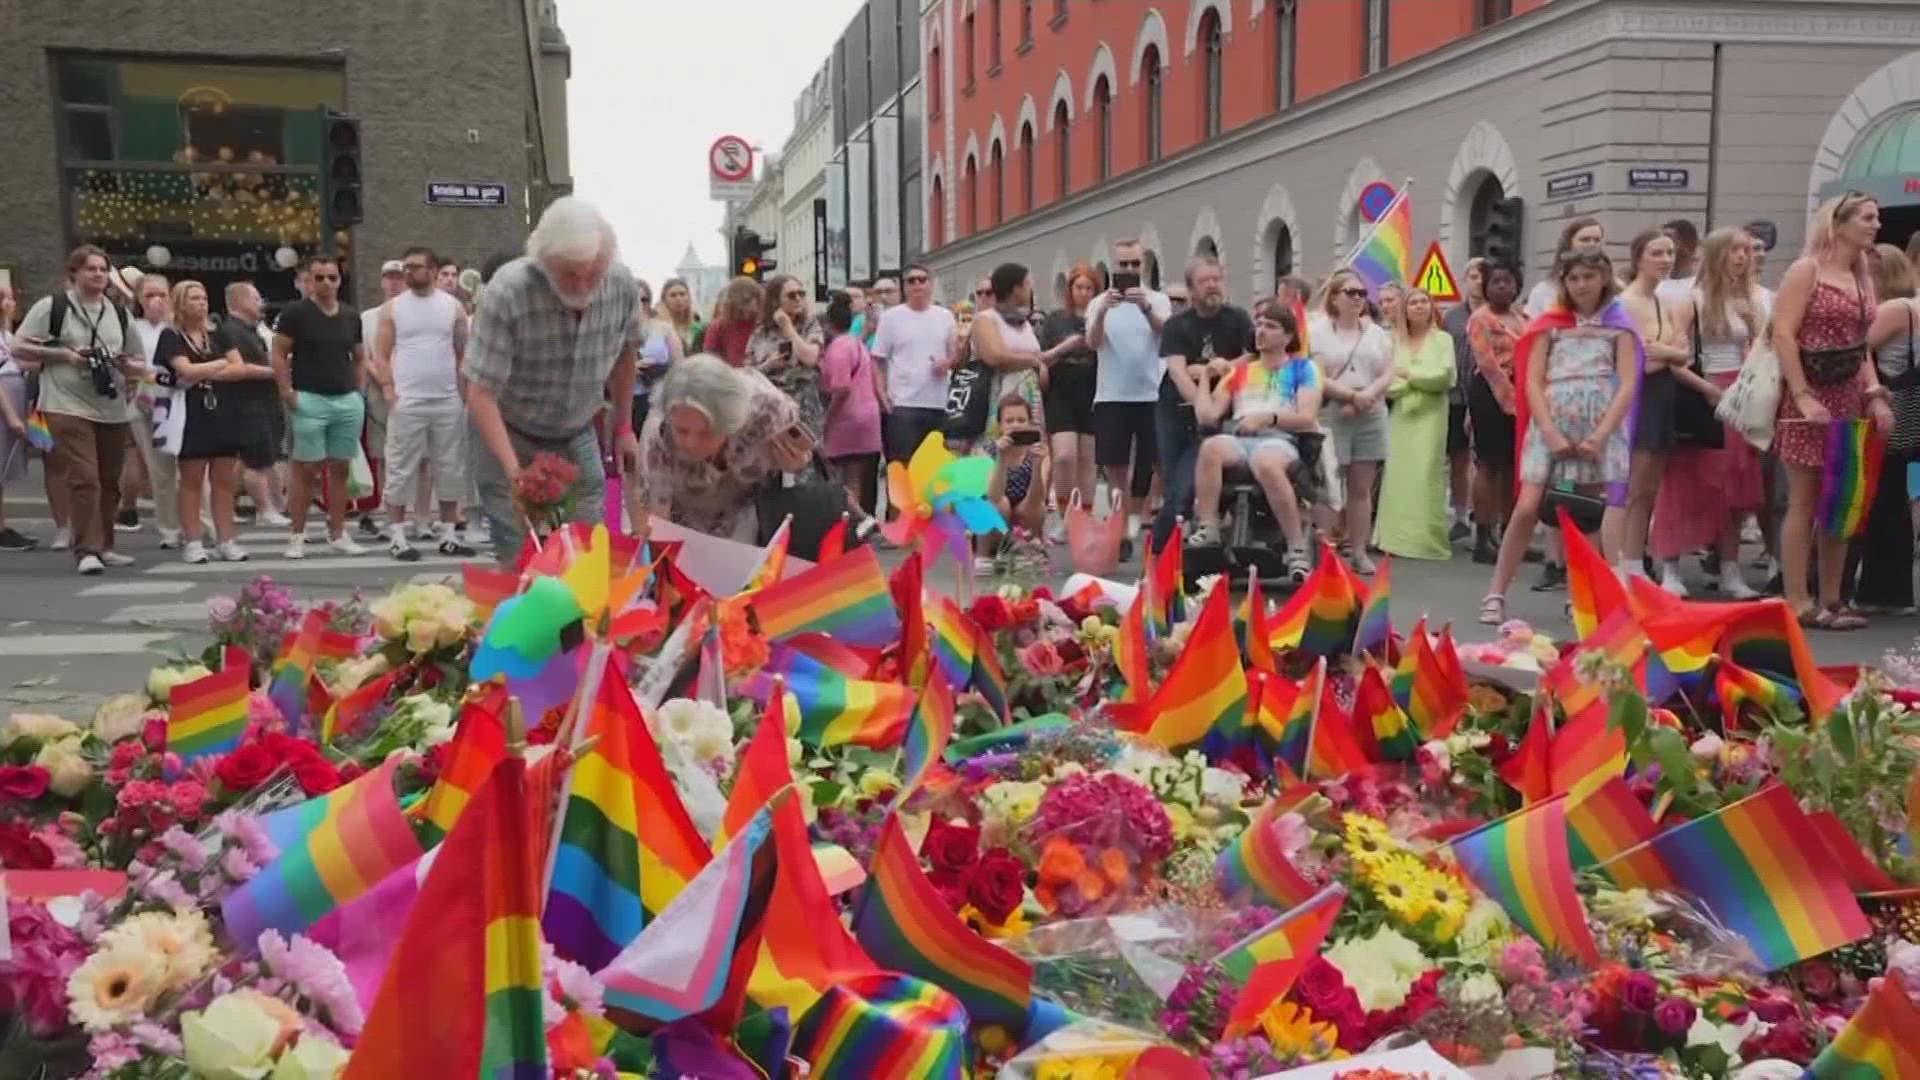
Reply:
x=941 y=493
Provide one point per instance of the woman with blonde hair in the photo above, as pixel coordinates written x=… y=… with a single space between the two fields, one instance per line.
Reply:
x=735 y=317
x=1821 y=317
x=1706 y=493
x=1885 y=553
x=1413 y=495
x=1356 y=367
x=676 y=307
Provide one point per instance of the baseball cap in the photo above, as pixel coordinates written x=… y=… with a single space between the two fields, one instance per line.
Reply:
x=392 y=266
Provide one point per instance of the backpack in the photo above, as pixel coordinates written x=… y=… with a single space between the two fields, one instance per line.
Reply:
x=57 y=318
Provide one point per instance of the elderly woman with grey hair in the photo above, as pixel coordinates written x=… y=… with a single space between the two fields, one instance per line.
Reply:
x=717 y=434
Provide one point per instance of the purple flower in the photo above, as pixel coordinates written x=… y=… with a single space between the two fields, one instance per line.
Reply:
x=112 y=1050
x=312 y=971
x=248 y=832
x=237 y=867
x=182 y=845
x=165 y=889
x=1675 y=1016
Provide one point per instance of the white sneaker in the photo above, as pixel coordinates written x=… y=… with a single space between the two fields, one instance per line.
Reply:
x=231 y=551
x=1133 y=526
x=1362 y=564
x=296 y=546
x=1056 y=529
x=195 y=553
x=114 y=558
x=344 y=545
x=983 y=564
x=1733 y=586
x=276 y=519
x=91 y=565
x=63 y=540
x=170 y=539
x=1672 y=581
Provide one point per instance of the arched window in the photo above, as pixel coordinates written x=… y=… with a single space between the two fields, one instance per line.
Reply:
x=1214 y=83
x=1026 y=167
x=1062 y=151
x=1208 y=247
x=1480 y=211
x=967 y=54
x=1150 y=268
x=1282 y=252
x=1286 y=52
x=937 y=215
x=934 y=75
x=1103 y=128
x=970 y=199
x=1150 y=100
x=998 y=166
x=993 y=39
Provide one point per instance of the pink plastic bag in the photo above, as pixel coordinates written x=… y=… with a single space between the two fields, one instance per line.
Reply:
x=1094 y=545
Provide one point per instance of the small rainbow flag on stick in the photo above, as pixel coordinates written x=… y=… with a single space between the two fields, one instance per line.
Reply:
x=209 y=714
x=1522 y=861
x=39 y=435
x=1881 y=1042
x=763 y=768
x=1855 y=450
x=479 y=743
x=1320 y=618
x=1592 y=587
x=1385 y=256
x=1266 y=962
x=1607 y=822
x=1256 y=865
x=1375 y=633
x=952 y=639
x=847 y=599
x=927 y=735
x=835 y=709
x=1259 y=634
x=1374 y=709
x=1737 y=687
x=1205 y=694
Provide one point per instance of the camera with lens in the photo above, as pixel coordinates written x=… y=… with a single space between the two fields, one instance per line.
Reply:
x=100 y=368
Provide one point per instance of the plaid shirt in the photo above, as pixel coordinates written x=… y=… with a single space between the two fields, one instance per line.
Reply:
x=547 y=367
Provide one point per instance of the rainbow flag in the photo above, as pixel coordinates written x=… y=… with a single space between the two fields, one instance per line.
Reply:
x=1764 y=636
x=1321 y=617
x=1284 y=712
x=833 y=543
x=1300 y=320
x=1855 y=450
x=1737 y=687
x=804 y=949
x=332 y=850
x=1433 y=693
x=1605 y=823
x=1530 y=770
x=1255 y=868
x=908 y=587
x=1205 y=694
x=1586 y=752
x=1879 y=1043
x=951 y=634
x=488 y=588
x=927 y=735
x=773 y=563
x=1522 y=861
x=1373 y=706
x=298 y=661
x=39 y=435
x=1593 y=588
x=479 y=743
x=209 y=714
x=763 y=770
x=1130 y=651
x=1385 y=257
x=906 y=925
x=835 y=709
x=344 y=716
x=685 y=961
x=847 y=599
x=1167 y=572
x=672 y=850
x=885 y=1027
x=1686 y=635
x=1375 y=633
x=1334 y=748
x=989 y=679
x=462 y=995
x=1266 y=962
x=1259 y=634
x=1747 y=861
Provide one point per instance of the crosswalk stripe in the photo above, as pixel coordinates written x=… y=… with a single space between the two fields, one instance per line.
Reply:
x=330 y=562
x=191 y=612
x=82 y=644
x=136 y=588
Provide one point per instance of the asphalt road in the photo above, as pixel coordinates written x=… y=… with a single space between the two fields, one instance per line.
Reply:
x=67 y=642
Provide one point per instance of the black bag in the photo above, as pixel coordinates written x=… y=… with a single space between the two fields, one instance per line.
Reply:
x=1694 y=424
x=1586 y=510
x=815 y=502
x=969 y=401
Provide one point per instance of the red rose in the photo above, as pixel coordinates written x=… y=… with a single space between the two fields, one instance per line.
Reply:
x=153 y=734
x=1071 y=654
x=1322 y=988
x=316 y=776
x=1498 y=749
x=951 y=847
x=992 y=613
x=246 y=768
x=21 y=850
x=996 y=885
x=26 y=782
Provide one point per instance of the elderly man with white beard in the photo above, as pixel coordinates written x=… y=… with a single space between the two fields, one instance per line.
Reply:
x=554 y=340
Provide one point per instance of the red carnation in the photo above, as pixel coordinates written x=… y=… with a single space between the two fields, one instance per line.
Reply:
x=246 y=768
x=951 y=847
x=992 y=613
x=21 y=850
x=996 y=885
x=25 y=782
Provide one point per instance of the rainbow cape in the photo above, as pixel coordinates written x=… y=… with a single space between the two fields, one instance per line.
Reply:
x=1522 y=862
x=1855 y=451
x=1614 y=317
x=847 y=599
x=1386 y=256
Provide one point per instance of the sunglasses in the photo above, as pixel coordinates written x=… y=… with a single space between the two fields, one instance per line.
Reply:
x=983 y=292
x=324 y=277
x=1127 y=264
x=417 y=266
x=1357 y=294
x=645 y=299
x=918 y=279
x=796 y=294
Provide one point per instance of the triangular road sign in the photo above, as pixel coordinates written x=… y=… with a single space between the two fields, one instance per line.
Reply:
x=1435 y=277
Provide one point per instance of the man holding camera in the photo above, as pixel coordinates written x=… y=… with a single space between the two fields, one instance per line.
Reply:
x=80 y=344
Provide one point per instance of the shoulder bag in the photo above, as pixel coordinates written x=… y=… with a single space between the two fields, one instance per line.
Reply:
x=1752 y=404
x=1694 y=424
x=1831 y=367
x=1903 y=388
x=815 y=501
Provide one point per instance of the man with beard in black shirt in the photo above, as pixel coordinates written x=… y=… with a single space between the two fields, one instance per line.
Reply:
x=1200 y=344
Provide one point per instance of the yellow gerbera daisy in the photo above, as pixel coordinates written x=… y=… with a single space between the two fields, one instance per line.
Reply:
x=1294 y=1033
x=1447 y=899
x=1368 y=841
x=114 y=987
x=1398 y=882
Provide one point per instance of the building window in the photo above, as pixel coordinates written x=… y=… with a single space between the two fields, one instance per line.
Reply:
x=993 y=38
x=1480 y=211
x=934 y=75
x=1102 y=128
x=1026 y=167
x=967 y=54
x=1026 y=24
x=1282 y=252
x=1488 y=12
x=1214 y=83
x=970 y=199
x=937 y=214
x=997 y=165
x=1059 y=14
x=1207 y=247
x=1286 y=52
x=1062 y=151
x=1375 y=40
x=1150 y=77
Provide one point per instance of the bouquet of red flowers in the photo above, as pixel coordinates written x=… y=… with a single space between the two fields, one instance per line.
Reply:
x=545 y=492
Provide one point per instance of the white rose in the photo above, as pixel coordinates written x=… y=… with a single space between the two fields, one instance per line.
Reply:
x=119 y=717
x=162 y=680
x=68 y=772
x=40 y=726
x=312 y=1058
x=1441 y=753
x=1222 y=787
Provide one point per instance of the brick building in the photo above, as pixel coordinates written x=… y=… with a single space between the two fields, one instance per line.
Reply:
x=192 y=132
x=1250 y=127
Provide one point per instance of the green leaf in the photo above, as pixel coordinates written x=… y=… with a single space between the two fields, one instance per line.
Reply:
x=1669 y=748
x=1840 y=732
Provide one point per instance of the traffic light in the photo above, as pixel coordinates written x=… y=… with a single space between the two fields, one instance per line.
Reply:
x=343 y=173
x=1504 y=219
x=750 y=254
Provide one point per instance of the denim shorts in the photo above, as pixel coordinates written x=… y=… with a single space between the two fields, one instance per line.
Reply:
x=1253 y=444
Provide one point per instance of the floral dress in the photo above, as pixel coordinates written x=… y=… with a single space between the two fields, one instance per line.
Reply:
x=716 y=495
x=1582 y=380
x=770 y=353
x=1836 y=318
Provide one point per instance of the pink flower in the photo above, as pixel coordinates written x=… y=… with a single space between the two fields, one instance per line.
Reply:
x=221 y=610
x=187 y=797
x=1041 y=658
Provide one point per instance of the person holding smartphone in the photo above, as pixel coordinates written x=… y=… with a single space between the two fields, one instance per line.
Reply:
x=1021 y=472
x=1123 y=327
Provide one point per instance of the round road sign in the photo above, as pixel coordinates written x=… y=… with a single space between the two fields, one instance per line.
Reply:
x=731 y=158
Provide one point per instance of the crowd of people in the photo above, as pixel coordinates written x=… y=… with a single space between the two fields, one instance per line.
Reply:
x=1428 y=429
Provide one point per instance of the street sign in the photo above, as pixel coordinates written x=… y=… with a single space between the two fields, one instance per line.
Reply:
x=730 y=169
x=1658 y=178
x=488 y=196
x=1570 y=185
x=1374 y=200
x=1435 y=277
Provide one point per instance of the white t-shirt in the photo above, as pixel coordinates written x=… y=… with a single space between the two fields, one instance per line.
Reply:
x=1541 y=297
x=1677 y=290
x=149 y=337
x=1130 y=366
x=1354 y=359
x=911 y=343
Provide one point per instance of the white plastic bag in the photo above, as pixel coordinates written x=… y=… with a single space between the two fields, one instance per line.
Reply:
x=169 y=420
x=1751 y=404
x=359 y=475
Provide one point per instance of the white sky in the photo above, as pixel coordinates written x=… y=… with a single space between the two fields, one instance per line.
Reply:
x=656 y=81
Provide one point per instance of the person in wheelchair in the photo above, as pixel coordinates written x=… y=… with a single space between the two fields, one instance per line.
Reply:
x=1264 y=408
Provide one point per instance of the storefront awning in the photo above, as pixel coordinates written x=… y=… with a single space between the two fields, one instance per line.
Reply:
x=1884 y=163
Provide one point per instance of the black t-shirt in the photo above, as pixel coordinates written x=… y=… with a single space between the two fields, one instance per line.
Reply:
x=235 y=335
x=1058 y=327
x=1198 y=338
x=322 y=347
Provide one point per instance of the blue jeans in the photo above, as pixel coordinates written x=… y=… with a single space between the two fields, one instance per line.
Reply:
x=1179 y=454
x=509 y=528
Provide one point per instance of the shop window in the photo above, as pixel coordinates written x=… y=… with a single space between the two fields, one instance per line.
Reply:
x=1062 y=151
x=1286 y=53
x=1103 y=128
x=1150 y=76
x=1214 y=83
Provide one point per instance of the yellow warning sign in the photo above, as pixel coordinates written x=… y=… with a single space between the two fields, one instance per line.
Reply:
x=1435 y=277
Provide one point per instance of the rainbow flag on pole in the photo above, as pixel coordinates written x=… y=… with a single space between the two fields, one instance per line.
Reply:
x=479 y=743
x=1375 y=633
x=1259 y=634
x=1433 y=694
x=763 y=768
x=1375 y=710
x=1737 y=688
x=1266 y=962
x=1204 y=696
x=1592 y=587
x=836 y=709
x=39 y=435
x=847 y=599
x=1334 y=748
x=295 y=668
x=1385 y=256
x=1881 y=1042
x=1255 y=865
x=927 y=735
x=952 y=640
x=1321 y=617
x=1855 y=450
x=209 y=714
x=1607 y=822
x=1522 y=861
x=1284 y=712
x=805 y=949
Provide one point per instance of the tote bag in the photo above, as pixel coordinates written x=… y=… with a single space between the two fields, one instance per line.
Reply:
x=1751 y=405
x=1094 y=545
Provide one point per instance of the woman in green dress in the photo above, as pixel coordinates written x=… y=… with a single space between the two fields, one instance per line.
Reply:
x=1413 y=495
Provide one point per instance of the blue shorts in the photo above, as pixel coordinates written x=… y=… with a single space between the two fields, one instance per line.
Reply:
x=326 y=427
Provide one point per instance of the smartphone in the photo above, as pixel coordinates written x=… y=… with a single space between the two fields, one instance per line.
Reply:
x=1024 y=437
x=1125 y=280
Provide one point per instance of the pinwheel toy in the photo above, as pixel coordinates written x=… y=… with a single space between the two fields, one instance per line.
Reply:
x=944 y=494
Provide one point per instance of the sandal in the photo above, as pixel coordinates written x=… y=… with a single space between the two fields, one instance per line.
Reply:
x=1813 y=618
x=1493 y=610
x=1846 y=619
x=1299 y=565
